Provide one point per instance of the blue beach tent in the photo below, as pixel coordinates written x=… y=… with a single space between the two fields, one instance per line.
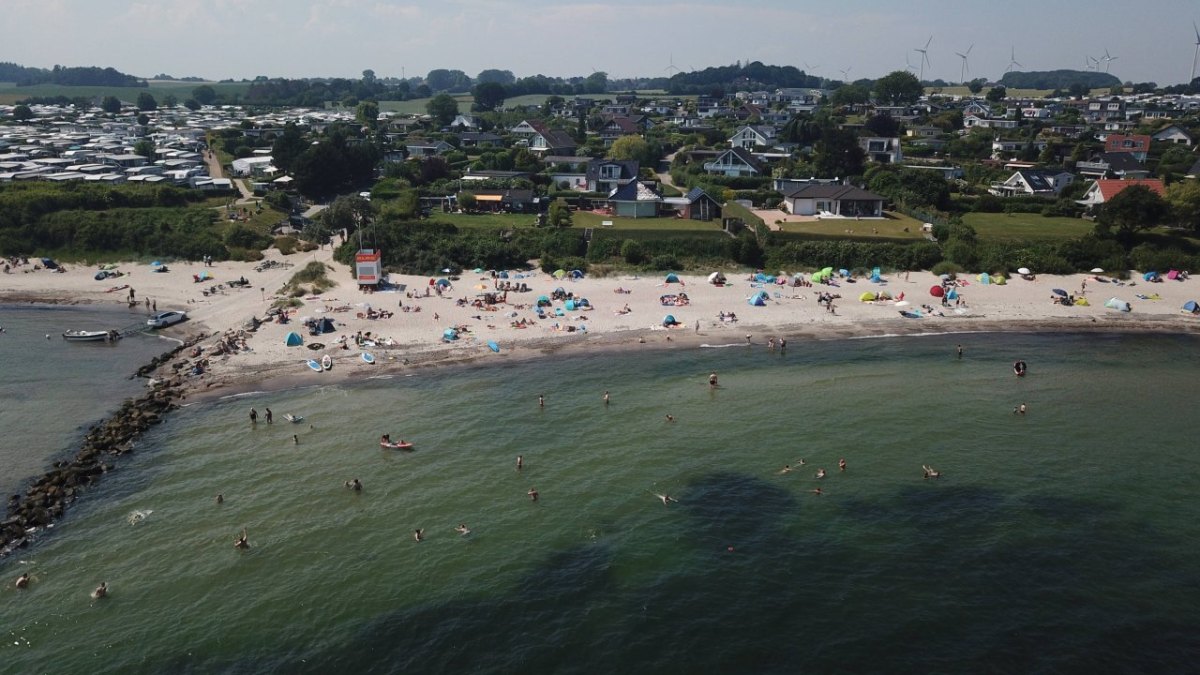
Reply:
x=1191 y=306
x=293 y=339
x=671 y=278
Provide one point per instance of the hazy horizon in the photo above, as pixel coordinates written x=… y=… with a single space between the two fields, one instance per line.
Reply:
x=243 y=39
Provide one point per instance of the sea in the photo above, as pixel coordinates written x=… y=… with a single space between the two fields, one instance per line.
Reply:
x=1061 y=540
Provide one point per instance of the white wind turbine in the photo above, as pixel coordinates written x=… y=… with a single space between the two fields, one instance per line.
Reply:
x=1108 y=59
x=671 y=67
x=962 y=76
x=846 y=75
x=924 y=52
x=1012 y=61
x=1197 y=56
x=908 y=65
x=1091 y=63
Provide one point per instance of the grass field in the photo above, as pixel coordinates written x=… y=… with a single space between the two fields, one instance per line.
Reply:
x=893 y=227
x=10 y=93
x=581 y=219
x=1026 y=227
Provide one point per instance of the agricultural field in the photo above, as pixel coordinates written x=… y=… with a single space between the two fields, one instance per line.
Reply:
x=10 y=93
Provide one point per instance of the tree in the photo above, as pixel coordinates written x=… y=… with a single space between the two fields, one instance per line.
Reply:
x=111 y=104
x=347 y=213
x=1135 y=208
x=467 y=201
x=443 y=108
x=628 y=147
x=144 y=148
x=192 y=104
x=997 y=94
x=204 y=94
x=146 y=102
x=898 y=87
x=367 y=113
x=559 y=215
x=849 y=94
x=976 y=85
x=170 y=101
x=801 y=129
x=21 y=113
x=143 y=119
x=596 y=83
x=838 y=154
x=489 y=96
x=498 y=76
x=882 y=125
x=1184 y=198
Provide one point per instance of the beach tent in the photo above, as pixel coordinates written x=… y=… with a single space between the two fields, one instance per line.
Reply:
x=323 y=325
x=671 y=278
x=503 y=275
x=867 y=297
x=875 y=278
x=822 y=275
x=1082 y=302
x=1118 y=304
x=293 y=339
x=985 y=279
x=449 y=335
x=1191 y=306
x=716 y=278
x=559 y=273
x=884 y=295
x=670 y=320
x=844 y=272
x=759 y=299
x=1150 y=276
x=543 y=301
x=203 y=276
x=572 y=305
x=999 y=280
x=1173 y=275
x=443 y=282
x=937 y=291
x=764 y=278
x=575 y=274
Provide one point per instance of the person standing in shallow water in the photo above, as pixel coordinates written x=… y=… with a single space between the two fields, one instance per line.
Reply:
x=270 y=417
x=253 y=416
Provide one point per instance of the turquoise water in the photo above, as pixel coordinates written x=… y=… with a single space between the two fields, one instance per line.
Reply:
x=1063 y=540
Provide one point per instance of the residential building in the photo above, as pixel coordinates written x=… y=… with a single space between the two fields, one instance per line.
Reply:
x=1101 y=191
x=881 y=150
x=635 y=200
x=1174 y=134
x=1136 y=145
x=750 y=137
x=695 y=205
x=1033 y=182
x=837 y=201
x=609 y=174
x=735 y=162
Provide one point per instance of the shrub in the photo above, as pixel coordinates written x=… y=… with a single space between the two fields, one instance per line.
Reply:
x=664 y=262
x=947 y=267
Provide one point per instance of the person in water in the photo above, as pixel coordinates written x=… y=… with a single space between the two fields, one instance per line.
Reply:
x=665 y=498
x=670 y=418
x=253 y=416
x=101 y=591
x=386 y=438
x=820 y=473
x=418 y=534
x=712 y=380
x=354 y=484
x=541 y=400
x=220 y=498
x=241 y=542
x=930 y=472
x=520 y=462
x=533 y=494
x=23 y=581
x=270 y=416
x=462 y=529
x=605 y=397
x=787 y=468
x=842 y=464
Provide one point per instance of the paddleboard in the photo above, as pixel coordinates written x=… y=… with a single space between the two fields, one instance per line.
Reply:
x=396 y=446
x=314 y=365
x=493 y=346
x=294 y=419
x=368 y=357
x=326 y=362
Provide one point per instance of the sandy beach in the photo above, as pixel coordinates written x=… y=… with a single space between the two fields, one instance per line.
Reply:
x=626 y=312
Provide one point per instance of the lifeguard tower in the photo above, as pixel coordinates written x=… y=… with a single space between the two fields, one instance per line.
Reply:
x=368 y=268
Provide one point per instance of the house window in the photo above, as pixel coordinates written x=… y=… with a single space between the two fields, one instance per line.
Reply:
x=610 y=171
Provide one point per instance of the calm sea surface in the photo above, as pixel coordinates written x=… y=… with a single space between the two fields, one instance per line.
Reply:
x=1061 y=541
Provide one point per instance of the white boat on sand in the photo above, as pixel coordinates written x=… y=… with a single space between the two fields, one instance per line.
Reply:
x=91 y=336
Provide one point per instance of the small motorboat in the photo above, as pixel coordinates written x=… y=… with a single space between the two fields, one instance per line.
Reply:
x=327 y=362
x=294 y=419
x=396 y=445
x=315 y=365
x=91 y=335
x=368 y=357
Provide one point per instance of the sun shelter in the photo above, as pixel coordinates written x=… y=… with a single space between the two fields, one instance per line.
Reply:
x=758 y=299
x=444 y=283
x=1118 y=304
x=449 y=335
x=1150 y=276
x=875 y=278
x=559 y=273
x=1191 y=307
x=867 y=297
x=575 y=274
x=764 y=278
x=1082 y=302
x=543 y=301
x=671 y=278
x=670 y=320
x=1173 y=275
x=985 y=279
x=952 y=294
x=716 y=278
x=293 y=339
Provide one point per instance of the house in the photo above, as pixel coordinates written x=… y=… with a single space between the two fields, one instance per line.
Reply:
x=844 y=201
x=881 y=150
x=619 y=126
x=695 y=205
x=635 y=200
x=465 y=123
x=550 y=141
x=750 y=137
x=1034 y=182
x=1104 y=110
x=1101 y=191
x=1174 y=134
x=420 y=147
x=1137 y=145
x=971 y=121
x=977 y=109
x=510 y=201
x=923 y=131
x=1194 y=172
x=478 y=139
x=1002 y=147
x=609 y=174
x=1112 y=164
x=735 y=162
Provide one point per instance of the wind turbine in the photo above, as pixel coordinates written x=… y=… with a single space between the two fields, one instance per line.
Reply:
x=908 y=65
x=845 y=75
x=1197 y=56
x=671 y=66
x=924 y=52
x=1013 y=61
x=1108 y=58
x=1091 y=63
x=962 y=76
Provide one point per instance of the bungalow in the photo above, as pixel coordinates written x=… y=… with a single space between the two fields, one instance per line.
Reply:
x=695 y=205
x=419 y=147
x=1101 y=191
x=1137 y=145
x=635 y=200
x=735 y=162
x=607 y=175
x=1033 y=182
x=1174 y=134
x=750 y=137
x=971 y=121
x=478 y=139
x=845 y=201
x=1112 y=164
x=882 y=150
x=510 y=201
x=1002 y=147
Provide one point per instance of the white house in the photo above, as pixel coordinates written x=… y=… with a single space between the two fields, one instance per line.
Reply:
x=750 y=137
x=1033 y=182
x=882 y=150
x=1174 y=134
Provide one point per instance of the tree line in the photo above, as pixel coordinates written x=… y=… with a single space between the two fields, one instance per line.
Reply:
x=25 y=76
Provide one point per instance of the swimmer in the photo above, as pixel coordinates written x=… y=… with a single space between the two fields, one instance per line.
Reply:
x=241 y=542
x=1021 y=409
x=520 y=462
x=354 y=484
x=23 y=581
x=842 y=464
x=101 y=591
x=418 y=534
x=712 y=380
x=295 y=439
x=462 y=529
x=930 y=472
x=541 y=401
x=670 y=418
x=820 y=473
x=605 y=397
x=787 y=468
x=533 y=494
x=665 y=498
x=220 y=498
x=817 y=492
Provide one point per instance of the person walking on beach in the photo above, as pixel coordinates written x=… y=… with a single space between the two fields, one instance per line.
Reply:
x=131 y=294
x=253 y=416
x=747 y=338
x=270 y=416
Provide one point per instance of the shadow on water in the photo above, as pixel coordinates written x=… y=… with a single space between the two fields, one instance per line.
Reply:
x=933 y=578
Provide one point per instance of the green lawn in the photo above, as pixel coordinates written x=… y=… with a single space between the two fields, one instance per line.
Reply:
x=892 y=227
x=581 y=219
x=1026 y=226
x=10 y=93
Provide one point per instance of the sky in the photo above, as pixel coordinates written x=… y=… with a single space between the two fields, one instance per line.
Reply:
x=1149 y=40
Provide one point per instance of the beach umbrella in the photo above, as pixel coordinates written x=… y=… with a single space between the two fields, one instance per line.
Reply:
x=445 y=270
x=937 y=291
x=1097 y=270
x=1023 y=270
x=1059 y=291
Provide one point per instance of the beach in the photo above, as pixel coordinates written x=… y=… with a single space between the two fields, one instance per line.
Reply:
x=624 y=312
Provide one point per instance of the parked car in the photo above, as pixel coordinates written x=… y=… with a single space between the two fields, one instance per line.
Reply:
x=164 y=319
